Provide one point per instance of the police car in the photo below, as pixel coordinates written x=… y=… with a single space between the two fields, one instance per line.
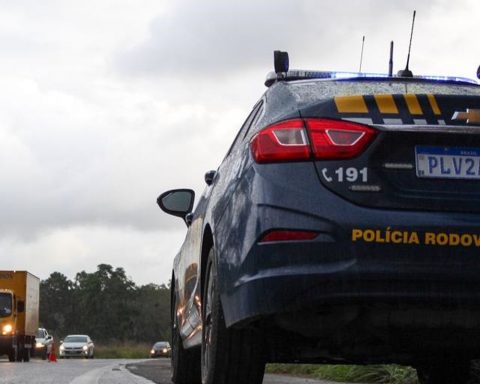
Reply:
x=342 y=226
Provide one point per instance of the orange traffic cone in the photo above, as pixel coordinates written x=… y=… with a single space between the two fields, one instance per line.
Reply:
x=52 y=357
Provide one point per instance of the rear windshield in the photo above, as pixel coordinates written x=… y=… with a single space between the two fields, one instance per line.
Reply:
x=309 y=91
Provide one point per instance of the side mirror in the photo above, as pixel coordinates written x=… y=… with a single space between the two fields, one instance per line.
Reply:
x=20 y=306
x=177 y=202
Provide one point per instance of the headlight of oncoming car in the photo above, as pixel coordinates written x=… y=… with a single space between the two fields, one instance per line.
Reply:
x=84 y=347
x=62 y=347
x=164 y=350
x=39 y=345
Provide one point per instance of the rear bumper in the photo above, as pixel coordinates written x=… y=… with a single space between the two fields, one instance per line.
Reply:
x=381 y=306
x=309 y=276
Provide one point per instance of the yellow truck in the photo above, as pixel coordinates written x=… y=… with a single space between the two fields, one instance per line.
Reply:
x=19 y=301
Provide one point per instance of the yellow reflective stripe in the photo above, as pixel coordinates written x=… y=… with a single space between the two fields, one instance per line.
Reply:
x=386 y=104
x=351 y=104
x=413 y=105
x=434 y=105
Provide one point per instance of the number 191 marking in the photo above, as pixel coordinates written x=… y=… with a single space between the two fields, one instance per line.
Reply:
x=349 y=174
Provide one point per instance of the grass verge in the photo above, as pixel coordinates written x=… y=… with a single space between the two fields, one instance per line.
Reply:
x=122 y=351
x=383 y=374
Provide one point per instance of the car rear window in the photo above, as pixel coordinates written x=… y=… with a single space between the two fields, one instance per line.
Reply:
x=306 y=92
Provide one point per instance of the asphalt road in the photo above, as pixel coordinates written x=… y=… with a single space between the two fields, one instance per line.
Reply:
x=71 y=371
x=158 y=371
x=105 y=371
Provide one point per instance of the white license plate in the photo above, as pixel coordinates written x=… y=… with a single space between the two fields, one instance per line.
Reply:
x=447 y=162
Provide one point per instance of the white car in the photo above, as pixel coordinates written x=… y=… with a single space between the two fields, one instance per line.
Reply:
x=77 y=346
x=43 y=343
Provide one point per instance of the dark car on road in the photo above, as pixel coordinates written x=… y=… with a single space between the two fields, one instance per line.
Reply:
x=161 y=349
x=342 y=226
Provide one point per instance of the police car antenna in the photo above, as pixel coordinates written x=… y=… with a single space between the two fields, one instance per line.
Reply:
x=406 y=72
x=390 y=62
x=361 y=55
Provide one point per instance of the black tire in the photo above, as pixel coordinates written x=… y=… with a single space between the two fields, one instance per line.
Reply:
x=444 y=372
x=12 y=355
x=185 y=362
x=26 y=355
x=229 y=356
x=44 y=354
x=19 y=353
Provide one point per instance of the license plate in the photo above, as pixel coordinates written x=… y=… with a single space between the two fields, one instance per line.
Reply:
x=447 y=162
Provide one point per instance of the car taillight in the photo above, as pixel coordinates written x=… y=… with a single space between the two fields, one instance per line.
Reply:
x=287 y=235
x=303 y=139
x=284 y=141
x=337 y=139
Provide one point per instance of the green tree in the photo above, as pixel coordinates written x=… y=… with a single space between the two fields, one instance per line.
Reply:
x=105 y=304
x=105 y=301
x=153 y=307
x=56 y=305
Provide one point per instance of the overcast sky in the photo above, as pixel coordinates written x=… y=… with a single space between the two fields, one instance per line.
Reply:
x=106 y=103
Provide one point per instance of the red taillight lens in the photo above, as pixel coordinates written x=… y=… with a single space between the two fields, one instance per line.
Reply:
x=288 y=235
x=285 y=141
x=329 y=139
x=336 y=139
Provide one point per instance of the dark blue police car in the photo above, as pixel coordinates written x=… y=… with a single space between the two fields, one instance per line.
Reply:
x=342 y=226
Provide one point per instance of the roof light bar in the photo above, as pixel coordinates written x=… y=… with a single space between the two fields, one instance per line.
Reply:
x=272 y=77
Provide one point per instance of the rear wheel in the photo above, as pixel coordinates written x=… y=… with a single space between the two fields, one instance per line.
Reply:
x=229 y=356
x=444 y=372
x=185 y=362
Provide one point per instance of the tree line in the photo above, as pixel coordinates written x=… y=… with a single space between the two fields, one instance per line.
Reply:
x=106 y=305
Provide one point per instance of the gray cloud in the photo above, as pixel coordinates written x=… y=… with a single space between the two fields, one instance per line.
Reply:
x=215 y=37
